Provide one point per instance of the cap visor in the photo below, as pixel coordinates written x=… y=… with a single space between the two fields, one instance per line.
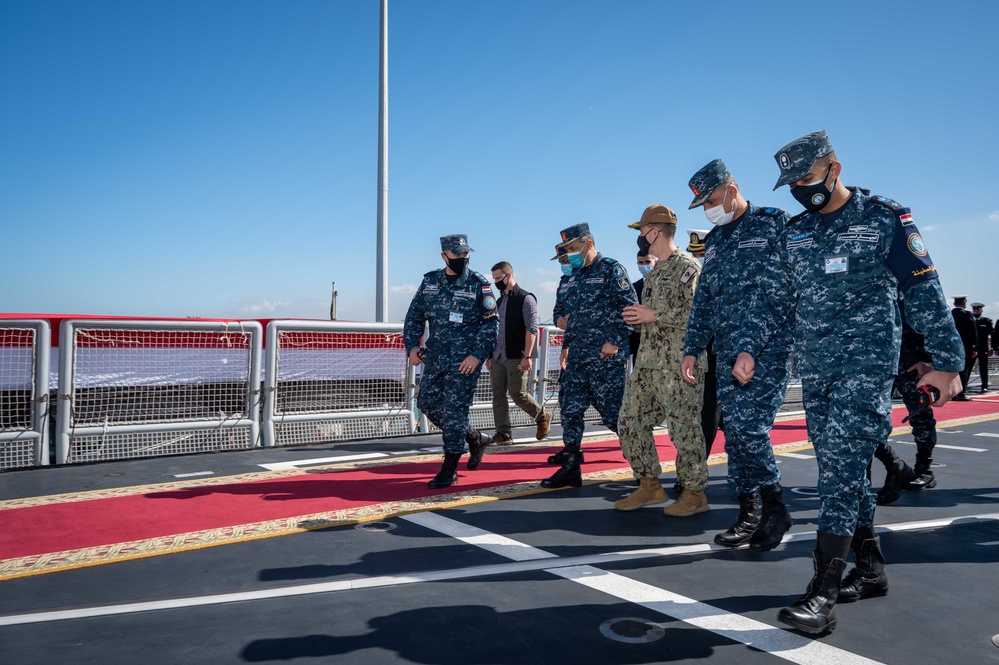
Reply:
x=699 y=200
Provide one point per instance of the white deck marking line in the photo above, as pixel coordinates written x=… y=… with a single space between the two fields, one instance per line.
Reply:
x=491 y=542
x=797 y=455
x=526 y=565
x=193 y=474
x=782 y=643
x=756 y=634
x=943 y=445
x=992 y=434
x=280 y=466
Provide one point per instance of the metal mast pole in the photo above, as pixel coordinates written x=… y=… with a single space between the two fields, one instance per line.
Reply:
x=381 y=277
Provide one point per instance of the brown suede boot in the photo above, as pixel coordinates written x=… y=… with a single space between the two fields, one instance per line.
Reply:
x=650 y=491
x=544 y=423
x=690 y=503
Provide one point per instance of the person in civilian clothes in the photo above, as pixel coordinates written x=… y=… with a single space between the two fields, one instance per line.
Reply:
x=510 y=363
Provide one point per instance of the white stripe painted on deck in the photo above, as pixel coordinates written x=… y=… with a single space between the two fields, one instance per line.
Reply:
x=281 y=466
x=491 y=542
x=539 y=562
x=991 y=434
x=943 y=445
x=797 y=455
x=758 y=635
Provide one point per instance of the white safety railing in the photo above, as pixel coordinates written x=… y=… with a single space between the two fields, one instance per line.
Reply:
x=336 y=381
x=24 y=393
x=132 y=389
x=129 y=389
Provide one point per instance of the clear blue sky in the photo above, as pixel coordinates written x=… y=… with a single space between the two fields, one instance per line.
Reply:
x=219 y=158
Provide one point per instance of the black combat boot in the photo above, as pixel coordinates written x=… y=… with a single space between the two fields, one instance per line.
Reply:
x=559 y=457
x=899 y=474
x=570 y=475
x=775 y=520
x=448 y=475
x=477 y=442
x=815 y=612
x=749 y=520
x=923 y=478
x=868 y=578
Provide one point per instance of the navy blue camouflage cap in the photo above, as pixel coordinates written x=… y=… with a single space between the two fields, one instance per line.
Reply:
x=560 y=251
x=706 y=180
x=456 y=243
x=575 y=232
x=798 y=157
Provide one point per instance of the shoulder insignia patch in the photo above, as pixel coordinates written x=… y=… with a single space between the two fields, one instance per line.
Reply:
x=624 y=283
x=771 y=212
x=489 y=302
x=916 y=245
x=886 y=202
x=687 y=274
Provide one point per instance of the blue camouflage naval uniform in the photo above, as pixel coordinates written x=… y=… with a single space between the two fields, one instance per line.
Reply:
x=559 y=310
x=736 y=256
x=463 y=322
x=841 y=273
x=595 y=295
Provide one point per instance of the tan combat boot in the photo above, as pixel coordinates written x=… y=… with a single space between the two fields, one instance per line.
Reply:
x=650 y=491
x=690 y=503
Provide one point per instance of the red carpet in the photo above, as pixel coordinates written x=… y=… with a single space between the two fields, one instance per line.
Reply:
x=69 y=524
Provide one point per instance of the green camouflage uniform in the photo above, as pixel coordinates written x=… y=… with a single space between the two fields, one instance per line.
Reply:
x=654 y=390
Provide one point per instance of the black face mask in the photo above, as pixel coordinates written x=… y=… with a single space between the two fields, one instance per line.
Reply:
x=814 y=197
x=502 y=284
x=643 y=246
x=458 y=265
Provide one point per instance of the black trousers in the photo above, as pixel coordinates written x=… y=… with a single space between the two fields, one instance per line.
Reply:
x=983 y=369
x=969 y=363
x=710 y=412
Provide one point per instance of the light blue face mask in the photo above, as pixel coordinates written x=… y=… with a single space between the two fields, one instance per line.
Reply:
x=645 y=268
x=566 y=269
x=576 y=260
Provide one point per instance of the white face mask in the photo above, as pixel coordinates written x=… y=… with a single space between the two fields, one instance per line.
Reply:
x=717 y=215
